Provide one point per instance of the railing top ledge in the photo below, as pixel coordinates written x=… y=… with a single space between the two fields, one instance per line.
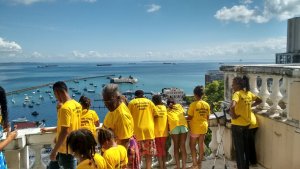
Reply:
x=289 y=70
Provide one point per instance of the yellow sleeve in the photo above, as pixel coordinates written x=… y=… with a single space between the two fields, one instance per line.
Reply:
x=108 y=121
x=191 y=110
x=235 y=97
x=95 y=116
x=65 y=117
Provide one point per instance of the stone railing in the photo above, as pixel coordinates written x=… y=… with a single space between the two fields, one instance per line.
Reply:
x=25 y=151
x=277 y=85
x=278 y=137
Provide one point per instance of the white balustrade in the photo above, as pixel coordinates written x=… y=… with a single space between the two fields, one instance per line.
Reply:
x=253 y=84
x=264 y=93
x=275 y=97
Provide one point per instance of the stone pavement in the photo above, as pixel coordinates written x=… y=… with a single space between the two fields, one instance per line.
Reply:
x=208 y=164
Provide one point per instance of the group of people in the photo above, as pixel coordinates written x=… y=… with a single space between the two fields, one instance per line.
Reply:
x=138 y=129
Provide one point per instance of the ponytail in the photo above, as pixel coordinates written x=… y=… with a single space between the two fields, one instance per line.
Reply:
x=246 y=84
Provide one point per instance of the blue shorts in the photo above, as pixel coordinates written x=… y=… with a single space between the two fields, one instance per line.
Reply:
x=179 y=130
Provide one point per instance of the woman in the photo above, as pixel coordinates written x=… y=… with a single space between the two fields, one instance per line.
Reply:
x=178 y=130
x=4 y=127
x=82 y=145
x=198 y=114
x=240 y=109
x=119 y=120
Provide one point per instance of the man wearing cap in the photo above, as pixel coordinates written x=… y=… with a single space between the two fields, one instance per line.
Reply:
x=143 y=111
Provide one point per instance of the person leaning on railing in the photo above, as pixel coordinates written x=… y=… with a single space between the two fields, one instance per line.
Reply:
x=240 y=111
x=11 y=135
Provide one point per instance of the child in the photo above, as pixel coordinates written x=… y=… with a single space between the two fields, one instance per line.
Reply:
x=198 y=114
x=114 y=154
x=178 y=130
x=89 y=118
x=82 y=145
x=160 y=130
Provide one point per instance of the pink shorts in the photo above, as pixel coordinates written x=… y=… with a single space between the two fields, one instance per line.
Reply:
x=160 y=143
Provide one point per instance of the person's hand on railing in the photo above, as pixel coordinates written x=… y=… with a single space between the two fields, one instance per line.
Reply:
x=45 y=130
x=12 y=135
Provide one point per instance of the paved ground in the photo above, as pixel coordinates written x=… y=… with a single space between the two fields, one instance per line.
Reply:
x=208 y=164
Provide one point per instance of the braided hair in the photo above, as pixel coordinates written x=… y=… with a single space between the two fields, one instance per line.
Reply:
x=83 y=143
x=3 y=104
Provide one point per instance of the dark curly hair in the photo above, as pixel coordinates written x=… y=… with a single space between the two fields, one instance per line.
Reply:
x=3 y=103
x=199 y=91
x=83 y=143
x=243 y=82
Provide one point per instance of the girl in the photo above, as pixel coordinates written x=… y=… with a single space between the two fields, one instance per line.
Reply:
x=240 y=110
x=198 y=114
x=114 y=154
x=4 y=126
x=89 y=118
x=82 y=145
x=178 y=130
x=160 y=130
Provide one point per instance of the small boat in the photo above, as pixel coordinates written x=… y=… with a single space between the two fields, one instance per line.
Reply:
x=41 y=97
x=13 y=101
x=85 y=89
x=95 y=85
x=26 y=99
x=37 y=103
x=53 y=101
x=30 y=105
x=91 y=84
x=91 y=91
x=34 y=113
x=73 y=95
x=76 y=81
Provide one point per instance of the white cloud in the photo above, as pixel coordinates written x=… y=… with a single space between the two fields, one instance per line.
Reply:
x=279 y=9
x=9 y=47
x=153 y=8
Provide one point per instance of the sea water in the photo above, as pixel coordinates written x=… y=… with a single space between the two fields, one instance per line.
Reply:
x=152 y=77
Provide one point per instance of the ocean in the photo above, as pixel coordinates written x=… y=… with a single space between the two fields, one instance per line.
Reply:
x=152 y=77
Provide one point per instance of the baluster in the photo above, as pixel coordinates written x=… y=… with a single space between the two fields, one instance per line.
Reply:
x=275 y=97
x=213 y=145
x=253 y=84
x=264 y=94
x=284 y=91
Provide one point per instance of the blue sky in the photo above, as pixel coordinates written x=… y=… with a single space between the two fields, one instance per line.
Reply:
x=139 y=30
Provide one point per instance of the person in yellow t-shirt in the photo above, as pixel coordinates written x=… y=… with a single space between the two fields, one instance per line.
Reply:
x=178 y=129
x=160 y=130
x=251 y=141
x=68 y=120
x=82 y=144
x=89 y=118
x=198 y=114
x=143 y=111
x=240 y=111
x=115 y=155
x=120 y=121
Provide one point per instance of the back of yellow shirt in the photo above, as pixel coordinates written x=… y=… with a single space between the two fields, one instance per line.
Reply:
x=199 y=111
x=68 y=116
x=160 y=121
x=120 y=121
x=176 y=117
x=254 y=122
x=243 y=101
x=143 y=110
x=98 y=163
x=116 y=157
x=88 y=119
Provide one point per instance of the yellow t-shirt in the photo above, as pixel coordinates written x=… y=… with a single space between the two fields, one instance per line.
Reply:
x=115 y=157
x=98 y=163
x=143 y=110
x=88 y=119
x=68 y=116
x=199 y=111
x=176 y=117
x=254 y=122
x=243 y=101
x=120 y=121
x=160 y=121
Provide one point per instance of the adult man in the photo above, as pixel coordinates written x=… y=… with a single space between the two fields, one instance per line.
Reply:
x=143 y=111
x=68 y=120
